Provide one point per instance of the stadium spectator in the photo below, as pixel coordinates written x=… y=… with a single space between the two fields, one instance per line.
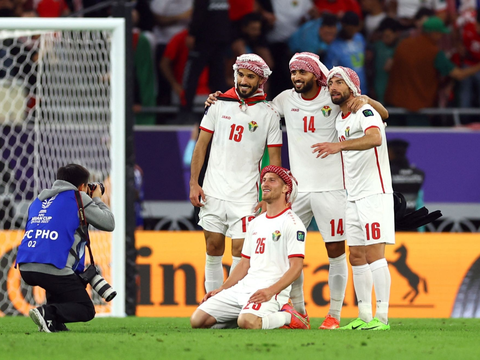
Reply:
x=239 y=127
x=145 y=94
x=257 y=291
x=369 y=216
x=405 y=10
x=338 y=7
x=382 y=55
x=285 y=17
x=251 y=38
x=54 y=261
x=470 y=87
x=315 y=36
x=374 y=14
x=171 y=16
x=51 y=8
x=321 y=187
x=349 y=48
x=420 y=60
x=173 y=64
x=207 y=46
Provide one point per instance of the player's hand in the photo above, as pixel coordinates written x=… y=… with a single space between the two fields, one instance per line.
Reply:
x=261 y=296
x=212 y=98
x=210 y=294
x=262 y=205
x=196 y=193
x=354 y=104
x=325 y=149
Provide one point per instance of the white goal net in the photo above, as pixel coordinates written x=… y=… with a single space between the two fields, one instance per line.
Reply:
x=61 y=102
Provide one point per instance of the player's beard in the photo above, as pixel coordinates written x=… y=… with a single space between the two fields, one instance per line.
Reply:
x=250 y=93
x=341 y=99
x=306 y=87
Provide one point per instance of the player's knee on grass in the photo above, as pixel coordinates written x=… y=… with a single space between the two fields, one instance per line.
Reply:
x=200 y=319
x=249 y=321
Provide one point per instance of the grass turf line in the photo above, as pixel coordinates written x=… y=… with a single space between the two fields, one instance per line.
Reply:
x=172 y=338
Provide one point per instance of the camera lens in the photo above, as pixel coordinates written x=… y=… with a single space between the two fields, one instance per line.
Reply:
x=104 y=289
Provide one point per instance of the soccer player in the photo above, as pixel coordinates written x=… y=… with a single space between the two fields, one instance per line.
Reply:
x=310 y=118
x=272 y=258
x=239 y=126
x=370 y=210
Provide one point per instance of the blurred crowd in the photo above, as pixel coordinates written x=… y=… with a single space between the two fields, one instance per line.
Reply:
x=411 y=54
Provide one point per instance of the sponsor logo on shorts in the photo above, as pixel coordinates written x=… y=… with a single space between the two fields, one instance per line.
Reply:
x=301 y=235
x=276 y=235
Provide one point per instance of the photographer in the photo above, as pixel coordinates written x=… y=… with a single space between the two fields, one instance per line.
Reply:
x=52 y=252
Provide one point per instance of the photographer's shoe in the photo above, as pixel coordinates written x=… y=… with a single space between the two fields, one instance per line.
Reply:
x=44 y=324
x=61 y=327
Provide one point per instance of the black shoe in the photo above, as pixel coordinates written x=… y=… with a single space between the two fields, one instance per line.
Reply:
x=61 y=327
x=44 y=323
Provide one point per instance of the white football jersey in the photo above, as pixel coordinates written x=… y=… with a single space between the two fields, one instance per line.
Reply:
x=367 y=172
x=269 y=243
x=238 y=144
x=309 y=122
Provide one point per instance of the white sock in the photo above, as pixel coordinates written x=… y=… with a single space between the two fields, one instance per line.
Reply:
x=363 y=282
x=296 y=295
x=275 y=320
x=213 y=272
x=337 y=282
x=235 y=261
x=381 y=283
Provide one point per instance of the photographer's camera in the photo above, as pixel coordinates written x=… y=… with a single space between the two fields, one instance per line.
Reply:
x=93 y=186
x=98 y=283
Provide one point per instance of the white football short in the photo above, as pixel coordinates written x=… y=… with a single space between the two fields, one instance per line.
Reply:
x=328 y=207
x=226 y=217
x=370 y=220
x=228 y=304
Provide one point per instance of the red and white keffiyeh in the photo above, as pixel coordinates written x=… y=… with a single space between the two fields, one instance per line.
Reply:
x=310 y=62
x=349 y=76
x=253 y=63
x=288 y=179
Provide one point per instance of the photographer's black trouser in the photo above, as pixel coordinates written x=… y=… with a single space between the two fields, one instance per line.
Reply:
x=67 y=299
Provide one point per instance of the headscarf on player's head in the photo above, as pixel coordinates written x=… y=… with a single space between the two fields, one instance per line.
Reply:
x=288 y=179
x=349 y=76
x=253 y=63
x=310 y=62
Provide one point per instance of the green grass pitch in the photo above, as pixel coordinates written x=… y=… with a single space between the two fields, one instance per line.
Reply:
x=172 y=338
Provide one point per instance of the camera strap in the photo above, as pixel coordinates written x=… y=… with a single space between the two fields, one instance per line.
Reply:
x=83 y=229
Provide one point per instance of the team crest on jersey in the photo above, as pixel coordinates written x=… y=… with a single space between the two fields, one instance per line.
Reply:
x=347 y=131
x=326 y=110
x=252 y=126
x=301 y=235
x=276 y=235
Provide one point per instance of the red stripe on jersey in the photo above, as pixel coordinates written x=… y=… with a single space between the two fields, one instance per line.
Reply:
x=274 y=145
x=207 y=130
x=346 y=115
x=343 y=171
x=296 y=255
x=245 y=256
x=272 y=217
x=370 y=127
x=379 y=171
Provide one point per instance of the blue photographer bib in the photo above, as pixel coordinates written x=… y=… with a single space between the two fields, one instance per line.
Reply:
x=50 y=231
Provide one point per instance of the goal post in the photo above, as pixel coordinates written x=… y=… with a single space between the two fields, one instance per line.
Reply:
x=62 y=100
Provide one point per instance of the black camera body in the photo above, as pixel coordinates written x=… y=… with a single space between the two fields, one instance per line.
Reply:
x=93 y=186
x=92 y=276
